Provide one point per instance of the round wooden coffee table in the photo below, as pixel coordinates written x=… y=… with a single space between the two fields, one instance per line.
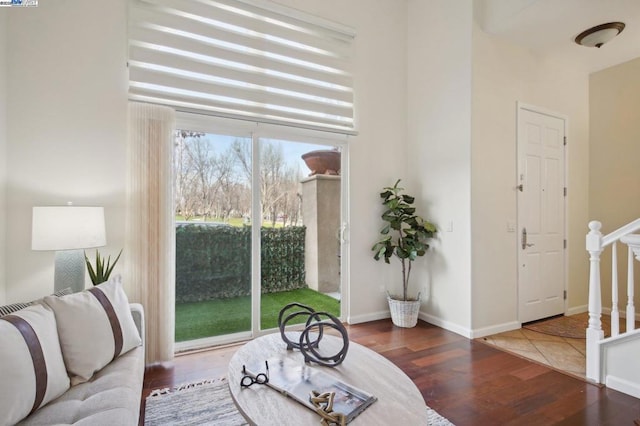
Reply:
x=399 y=400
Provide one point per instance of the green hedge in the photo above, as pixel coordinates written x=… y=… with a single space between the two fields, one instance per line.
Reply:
x=282 y=259
x=214 y=261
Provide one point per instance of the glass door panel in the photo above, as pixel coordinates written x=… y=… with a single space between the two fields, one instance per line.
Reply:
x=300 y=232
x=213 y=235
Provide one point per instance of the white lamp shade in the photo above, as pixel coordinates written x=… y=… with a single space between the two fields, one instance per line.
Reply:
x=67 y=228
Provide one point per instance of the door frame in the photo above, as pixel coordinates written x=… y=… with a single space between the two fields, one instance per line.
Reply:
x=521 y=106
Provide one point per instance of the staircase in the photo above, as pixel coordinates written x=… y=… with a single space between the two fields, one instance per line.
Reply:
x=613 y=360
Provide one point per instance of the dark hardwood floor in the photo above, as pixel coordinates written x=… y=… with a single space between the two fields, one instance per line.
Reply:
x=466 y=381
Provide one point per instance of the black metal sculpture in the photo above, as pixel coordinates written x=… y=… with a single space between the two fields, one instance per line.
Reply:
x=311 y=336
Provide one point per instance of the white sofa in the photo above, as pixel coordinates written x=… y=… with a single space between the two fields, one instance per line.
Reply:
x=111 y=394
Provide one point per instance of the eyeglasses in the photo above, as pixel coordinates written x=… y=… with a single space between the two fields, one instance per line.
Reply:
x=249 y=379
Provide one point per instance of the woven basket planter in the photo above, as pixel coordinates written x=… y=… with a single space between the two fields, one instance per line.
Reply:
x=404 y=314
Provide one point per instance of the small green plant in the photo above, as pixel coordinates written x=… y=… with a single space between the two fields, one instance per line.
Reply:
x=102 y=270
x=405 y=235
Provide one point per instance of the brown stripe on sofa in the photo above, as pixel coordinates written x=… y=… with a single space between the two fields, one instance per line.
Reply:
x=37 y=356
x=113 y=319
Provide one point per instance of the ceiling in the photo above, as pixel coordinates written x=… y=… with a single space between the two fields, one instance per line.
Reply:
x=550 y=26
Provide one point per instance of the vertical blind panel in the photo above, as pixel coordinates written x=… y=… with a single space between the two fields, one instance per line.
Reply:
x=150 y=239
x=238 y=57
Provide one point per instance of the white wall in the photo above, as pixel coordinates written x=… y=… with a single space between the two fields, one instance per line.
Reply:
x=439 y=153
x=615 y=129
x=502 y=75
x=68 y=128
x=66 y=125
x=462 y=96
x=621 y=367
x=3 y=149
x=614 y=178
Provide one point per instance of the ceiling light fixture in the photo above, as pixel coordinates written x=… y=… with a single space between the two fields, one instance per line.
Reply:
x=599 y=35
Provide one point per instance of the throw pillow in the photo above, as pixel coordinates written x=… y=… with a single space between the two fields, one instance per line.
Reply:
x=31 y=364
x=15 y=307
x=95 y=327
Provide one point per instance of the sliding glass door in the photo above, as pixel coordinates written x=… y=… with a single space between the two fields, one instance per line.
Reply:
x=300 y=235
x=257 y=227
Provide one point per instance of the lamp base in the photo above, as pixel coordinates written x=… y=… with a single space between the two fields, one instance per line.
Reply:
x=69 y=272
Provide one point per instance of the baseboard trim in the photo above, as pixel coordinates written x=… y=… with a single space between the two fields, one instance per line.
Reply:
x=624 y=386
x=622 y=313
x=358 y=319
x=495 y=329
x=455 y=328
x=447 y=325
x=577 y=310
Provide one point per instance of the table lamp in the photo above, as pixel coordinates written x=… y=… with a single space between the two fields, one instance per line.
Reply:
x=68 y=230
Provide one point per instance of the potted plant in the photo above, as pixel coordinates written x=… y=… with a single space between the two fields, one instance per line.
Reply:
x=103 y=267
x=405 y=235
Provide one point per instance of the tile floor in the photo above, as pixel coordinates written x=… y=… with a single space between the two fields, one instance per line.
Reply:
x=561 y=353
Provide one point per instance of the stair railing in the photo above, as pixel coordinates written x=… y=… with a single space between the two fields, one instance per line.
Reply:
x=596 y=243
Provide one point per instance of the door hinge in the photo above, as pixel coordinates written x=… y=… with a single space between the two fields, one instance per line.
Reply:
x=565 y=141
x=565 y=191
x=564 y=243
x=565 y=295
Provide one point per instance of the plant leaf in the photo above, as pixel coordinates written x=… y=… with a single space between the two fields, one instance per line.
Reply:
x=103 y=267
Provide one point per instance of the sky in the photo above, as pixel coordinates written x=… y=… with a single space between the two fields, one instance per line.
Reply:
x=292 y=150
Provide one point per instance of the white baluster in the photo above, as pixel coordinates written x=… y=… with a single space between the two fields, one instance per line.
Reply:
x=615 y=313
x=631 y=310
x=594 y=331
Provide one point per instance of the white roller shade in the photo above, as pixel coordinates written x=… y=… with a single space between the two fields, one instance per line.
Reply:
x=245 y=59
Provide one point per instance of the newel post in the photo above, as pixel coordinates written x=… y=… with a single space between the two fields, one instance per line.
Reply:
x=594 y=331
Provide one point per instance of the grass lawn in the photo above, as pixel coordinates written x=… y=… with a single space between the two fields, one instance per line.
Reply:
x=225 y=316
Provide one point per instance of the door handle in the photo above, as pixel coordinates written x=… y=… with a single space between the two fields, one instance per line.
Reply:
x=524 y=239
x=342 y=231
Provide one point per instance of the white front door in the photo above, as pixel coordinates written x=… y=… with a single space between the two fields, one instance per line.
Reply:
x=541 y=214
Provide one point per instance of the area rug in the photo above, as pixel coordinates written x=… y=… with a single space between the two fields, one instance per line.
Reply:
x=562 y=326
x=209 y=403
x=203 y=403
